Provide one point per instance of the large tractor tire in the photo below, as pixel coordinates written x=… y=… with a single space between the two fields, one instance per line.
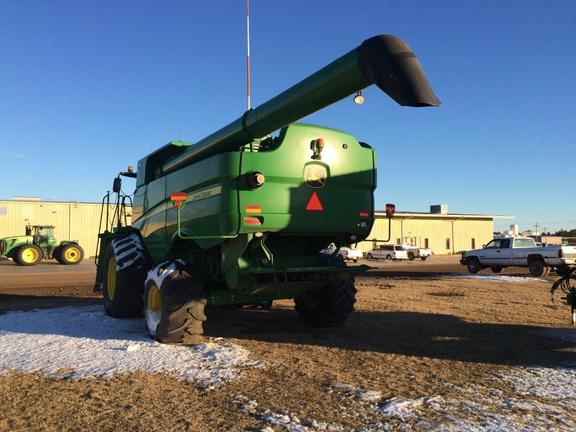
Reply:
x=70 y=254
x=174 y=304
x=329 y=306
x=125 y=268
x=28 y=255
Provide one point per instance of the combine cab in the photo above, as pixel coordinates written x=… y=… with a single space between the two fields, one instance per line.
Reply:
x=240 y=216
x=39 y=243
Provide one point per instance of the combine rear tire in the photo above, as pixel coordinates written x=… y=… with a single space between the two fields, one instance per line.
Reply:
x=174 y=304
x=329 y=306
x=28 y=255
x=125 y=268
x=496 y=269
x=70 y=254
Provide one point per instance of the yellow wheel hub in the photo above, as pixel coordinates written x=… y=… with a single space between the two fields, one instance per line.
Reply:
x=72 y=254
x=30 y=255
x=154 y=300
x=111 y=278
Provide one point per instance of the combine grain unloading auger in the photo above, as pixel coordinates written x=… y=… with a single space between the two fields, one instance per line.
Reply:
x=239 y=217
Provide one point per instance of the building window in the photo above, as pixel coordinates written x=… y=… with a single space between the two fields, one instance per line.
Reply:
x=473 y=243
x=426 y=243
x=398 y=241
x=448 y=243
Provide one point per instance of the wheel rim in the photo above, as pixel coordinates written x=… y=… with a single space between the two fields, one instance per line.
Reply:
x=153 y=310
x=111 y=278
x=72 y=254
x=30 y=255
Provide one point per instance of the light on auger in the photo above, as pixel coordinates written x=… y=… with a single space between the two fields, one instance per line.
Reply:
x=359 y=98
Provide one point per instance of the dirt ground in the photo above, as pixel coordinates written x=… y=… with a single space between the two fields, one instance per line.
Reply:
x=417 y=332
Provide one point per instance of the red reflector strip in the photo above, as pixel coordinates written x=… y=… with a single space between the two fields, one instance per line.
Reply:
x=314 y=203
x=253 y=209
x=364 y=214
x=248 y=220
x=178 y=196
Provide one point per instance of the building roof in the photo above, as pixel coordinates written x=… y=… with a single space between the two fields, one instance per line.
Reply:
x=424 y=215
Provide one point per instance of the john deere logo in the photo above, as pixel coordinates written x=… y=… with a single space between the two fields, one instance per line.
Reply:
x=315 y=175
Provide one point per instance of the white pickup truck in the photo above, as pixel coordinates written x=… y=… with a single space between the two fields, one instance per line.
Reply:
x=416 y=252
x=344 y=252
x=520 y=252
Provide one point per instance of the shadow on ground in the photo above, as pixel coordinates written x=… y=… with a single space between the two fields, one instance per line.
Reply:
x=407 y=333
x=13 y=302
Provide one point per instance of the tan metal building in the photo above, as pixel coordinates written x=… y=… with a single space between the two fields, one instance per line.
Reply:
x=443 y=232
x=73 y=220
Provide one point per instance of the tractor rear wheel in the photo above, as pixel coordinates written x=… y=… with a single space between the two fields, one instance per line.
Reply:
x=328 y=306
x=174 y=304
x=125 y=270
x=28 y=255
x=70 y=254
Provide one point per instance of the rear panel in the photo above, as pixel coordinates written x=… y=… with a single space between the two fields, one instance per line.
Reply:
x=309 y=192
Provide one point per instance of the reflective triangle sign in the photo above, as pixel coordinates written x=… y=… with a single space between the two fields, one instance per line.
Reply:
x=314 y=203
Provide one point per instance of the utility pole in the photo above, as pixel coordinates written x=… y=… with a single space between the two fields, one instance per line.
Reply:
x=536 y=225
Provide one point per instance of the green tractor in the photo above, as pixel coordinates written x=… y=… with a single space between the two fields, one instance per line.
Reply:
x=241 y=216
x=39 y=243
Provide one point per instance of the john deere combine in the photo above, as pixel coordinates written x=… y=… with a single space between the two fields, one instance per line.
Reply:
x=240 y=216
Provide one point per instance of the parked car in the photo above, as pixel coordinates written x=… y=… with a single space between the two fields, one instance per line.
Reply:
x=520 y=252
x=416 y=252
x=344 y=252
x=388 y=252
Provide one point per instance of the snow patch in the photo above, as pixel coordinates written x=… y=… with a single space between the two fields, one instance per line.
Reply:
x=356 y=393
x=495 y=278
x=407 y=408
x=283 y=419
x=544 y=400
x=83 y=342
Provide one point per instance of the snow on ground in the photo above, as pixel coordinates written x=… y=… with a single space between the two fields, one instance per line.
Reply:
x=356 y=393
x=283 y=419
x=83 y=342
x=541 y=399
x=494 y=278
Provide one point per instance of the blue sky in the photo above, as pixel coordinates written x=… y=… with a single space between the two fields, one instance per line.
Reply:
x=89 y=87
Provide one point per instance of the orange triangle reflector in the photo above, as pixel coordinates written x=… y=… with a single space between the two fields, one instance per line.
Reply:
x=314 y=203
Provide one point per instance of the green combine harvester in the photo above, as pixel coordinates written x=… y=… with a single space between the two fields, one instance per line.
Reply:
x=240 y=216
x=39 y=243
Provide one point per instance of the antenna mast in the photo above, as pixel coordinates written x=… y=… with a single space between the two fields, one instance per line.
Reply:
x=248 y=53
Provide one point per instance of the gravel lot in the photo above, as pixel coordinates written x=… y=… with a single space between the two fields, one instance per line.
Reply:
x=428 y=348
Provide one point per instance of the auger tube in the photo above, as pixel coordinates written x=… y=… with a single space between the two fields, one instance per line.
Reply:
x=384 y=60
